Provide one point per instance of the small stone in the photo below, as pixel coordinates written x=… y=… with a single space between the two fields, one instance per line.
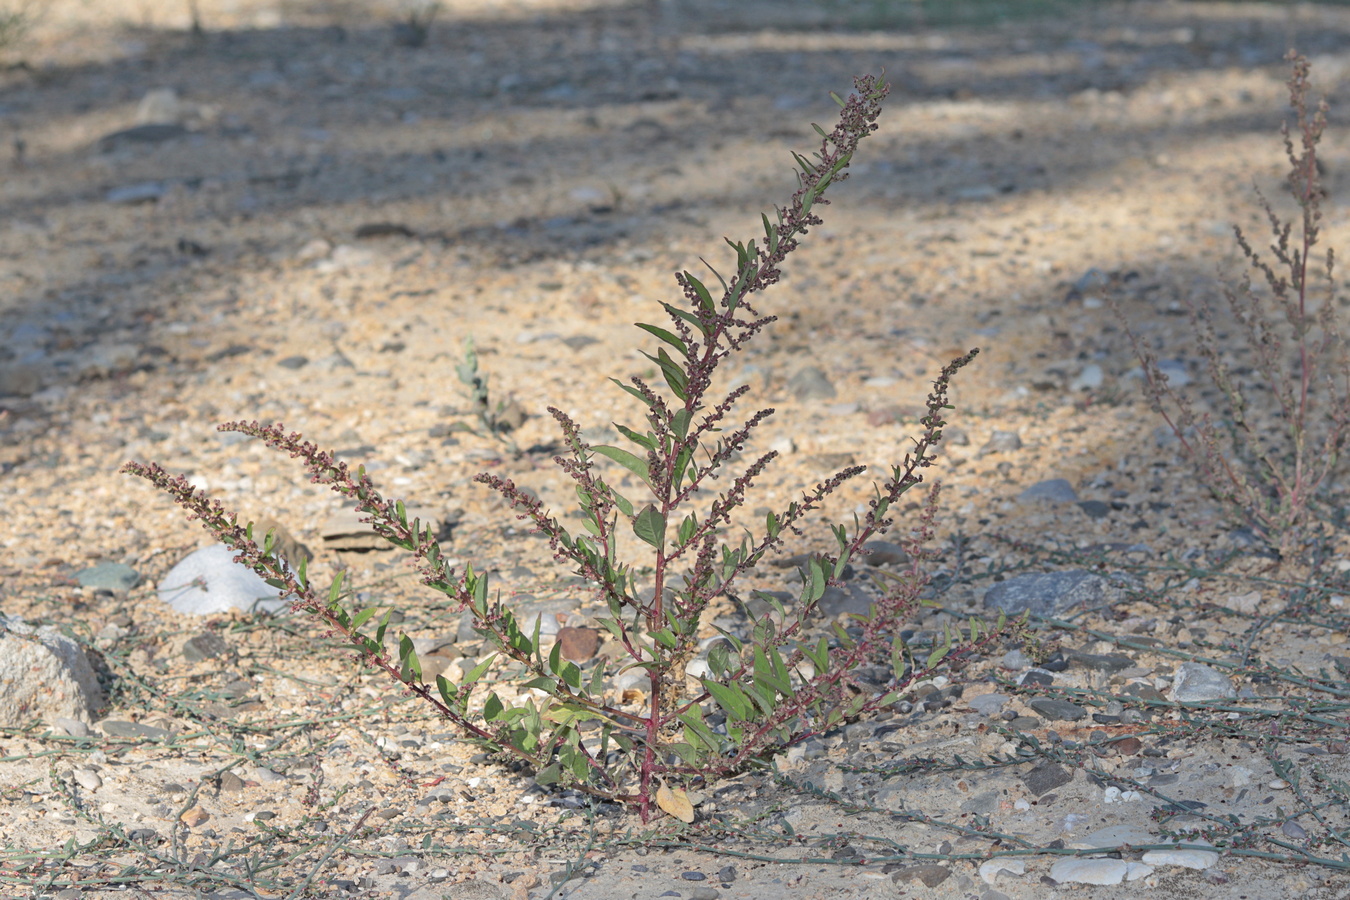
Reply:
x=1109 y=663
x=811 y=383
x=1051 y=593
x=1046 y=777
x=1089 y=379
x=693 y=876
x=1129 y=746
x=148 y=133
x=578 y=644
x=931 y=875
x=231 y=782
x=1054 y=490
x=194 y=817
x=1057 y=710
x=987 y=704
x=1036 y=677
x=1095 y=509
x=209 y=581
x=1002 y=442
x=118 y=728
x=136 y=194
x=73 y=727
x=88 y=779
x=703 y=893
x=852 y=600
x=1195 y=682
x=726 y=874
x=109 y=576
x=1190 y=859
x=1089 y=871
x=883 y=553
x=160 y=106
x=991 y=871
x=204 y=646
x=293 y=362
x=1294 y=830
x=1114 y=837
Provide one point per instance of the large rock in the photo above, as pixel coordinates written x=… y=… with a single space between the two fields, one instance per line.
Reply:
x=1051 y=593
x=43 y=675
x=209 y=581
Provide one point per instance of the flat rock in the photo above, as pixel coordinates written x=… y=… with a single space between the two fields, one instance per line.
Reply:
x=204 y=646
x=133 y=194
x=1051 y=593
x=1190 y=859
x=118 y=728
x=578 y=644
x=931 y=875
x=44 y=675
x=344 y=530
x=1115 y=837
x=149 y=133
x=883 y=553
x=839 y=601
x=1089 y=871
x=1109 y=663
x=109 y=576
x=209 y=581
x=1046 y=777
x=1054 y=490
x=1195 y=682
x=1002 y=442
x=811 y=383
x=1057 y=710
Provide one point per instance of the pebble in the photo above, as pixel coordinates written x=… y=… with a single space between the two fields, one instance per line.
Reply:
x=1054 y=490
x=1098 y=871
x=1294 y=830
x=578 y=644
x=149 y=133
x=988 y=704
x=883 y=553
x=1002 y=442
x=209 y=581
x=1095 y=509
x=1089 y=379
x=931 y=875
x=88 y=779
x=703 y=893
x=109 y=576
x=1114 y=837
x=1195 y=682
x=204 y=646
x=1050 y=593
x=118 y=728
x=73 y=727
x=1046 y=777
x=1057 y=710
x=991 y=871
x=134 y=194
x=1190 y=859
x=811 y=383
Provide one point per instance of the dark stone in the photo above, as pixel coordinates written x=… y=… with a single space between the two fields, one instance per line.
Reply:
x=1046 y=777
x=205 y=646
x=1142 y=691
x=840 y=600
x=931 y=875
x=1051 y=593
x=1095 y=509
x=152 y=133
x=382 y=230
x=293 y=362
x=693 y=876
x=883 y=553
x=1036 y=676
x=1101 y=662
x=231 y=782
x=726 y=874
x=578 y=644
x=1057 y=710
x=1128 y=746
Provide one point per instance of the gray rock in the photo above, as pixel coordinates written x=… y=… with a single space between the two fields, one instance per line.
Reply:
x=883 y=553
x=293 y=362
x=1002 y=442
x=1054 y=490
x=204 y=646
x=1189 y=859
x=988 y=704
x=811 y=384
x=209 y=581
x=931 y=874
x=1051 y=593
x=1089 y=379
x=1110 y=663
x=1194 y=681
x=1057 y=710
x=160 y=106
x=43 y=675
x=135 y=194
x=1089 y=871
x=118 y=728
x=1046 y=777
x=73 y=727
x=838 y=601
x=1095 y=509
x=21 y=379
x=109 y=576
x=149 y=133
x=1114 y=837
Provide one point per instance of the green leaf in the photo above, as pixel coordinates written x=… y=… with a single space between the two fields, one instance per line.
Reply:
x=363 y=617
x=647 y=442
x=731 y=698
x=549 y=775
x=629 y=461
x=571 y=675
x=632 y=390
x=623 y=503
x=384 y=623
x=686 y=752
x=410 y=668
x=492 y=708
x=449 y=693
x=477 y=671
x=650 y=526
x=705 y=300
x=335 y=591
x=675 y=377
x=687 y=529
x=666 y=336
x=686 y=316
x=938 y=652
x=665 y=637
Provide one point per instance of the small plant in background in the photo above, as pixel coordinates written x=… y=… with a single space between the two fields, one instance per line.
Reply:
x=757 y=691
x=1269 y=474
x=498 y=419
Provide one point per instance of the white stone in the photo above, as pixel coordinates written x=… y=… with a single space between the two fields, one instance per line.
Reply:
x=991 y=870
x=209 y=581
x=43 y=675
x=1191 y=859
x=1089 y=871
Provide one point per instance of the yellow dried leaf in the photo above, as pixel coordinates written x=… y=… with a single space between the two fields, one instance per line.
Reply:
x=675 y=803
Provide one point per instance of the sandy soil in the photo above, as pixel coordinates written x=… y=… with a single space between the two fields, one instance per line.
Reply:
x=531 y=176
